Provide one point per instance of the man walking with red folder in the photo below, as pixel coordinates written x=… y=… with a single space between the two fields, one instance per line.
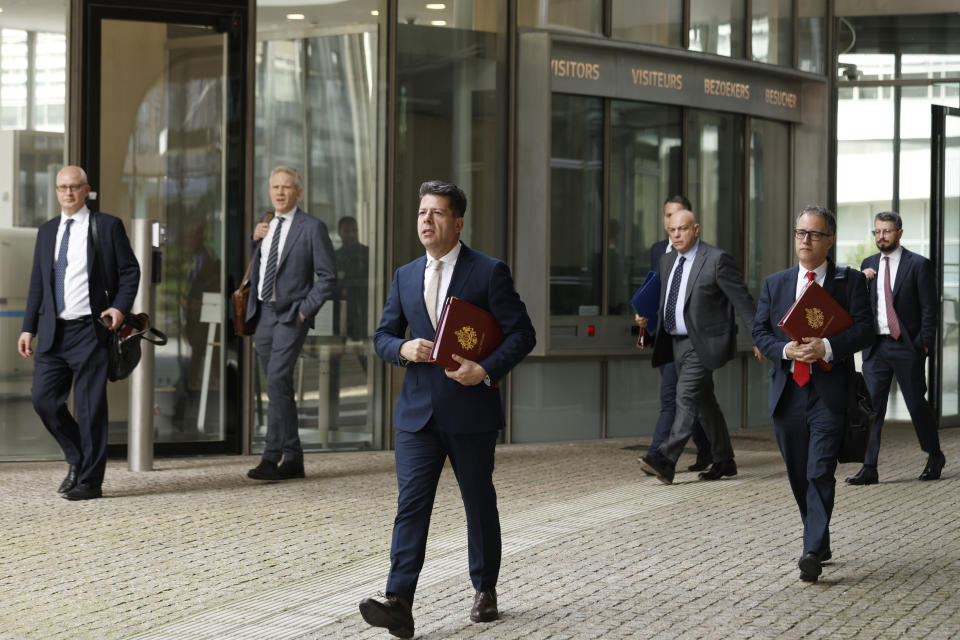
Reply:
x=808 y=402
x=441 y=413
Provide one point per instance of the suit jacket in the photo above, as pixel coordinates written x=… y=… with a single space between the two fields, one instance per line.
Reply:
x=715 y=290
x=307 y=252
x=427 y=391
x=657 y=251
x=779 y=292
x=914 y=300
x=122 y=278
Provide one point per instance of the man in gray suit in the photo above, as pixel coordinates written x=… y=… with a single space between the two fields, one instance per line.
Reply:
x=293 y=274
x=701 y=288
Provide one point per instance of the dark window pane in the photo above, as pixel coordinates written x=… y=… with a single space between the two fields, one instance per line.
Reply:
x=716 y=26
x=576 y=181
x=578 y=15
x=649 y=21
x=772 y=30
x=812 y=34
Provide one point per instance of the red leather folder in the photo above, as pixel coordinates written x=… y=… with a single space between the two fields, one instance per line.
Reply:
x=815 y=314
x=466 y=330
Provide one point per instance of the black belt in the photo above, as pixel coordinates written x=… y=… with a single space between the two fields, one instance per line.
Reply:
x=74 y=320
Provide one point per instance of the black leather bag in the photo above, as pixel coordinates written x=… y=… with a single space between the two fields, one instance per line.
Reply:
x=860 y=413
x=860 y=417
x=124 y=346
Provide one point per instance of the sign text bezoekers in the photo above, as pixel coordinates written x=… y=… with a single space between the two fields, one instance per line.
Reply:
x=727 y=89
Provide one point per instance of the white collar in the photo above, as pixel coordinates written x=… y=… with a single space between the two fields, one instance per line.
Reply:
x=450 y=257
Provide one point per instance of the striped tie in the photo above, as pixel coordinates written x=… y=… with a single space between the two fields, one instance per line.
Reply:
x=60 y=268
x=270 y=276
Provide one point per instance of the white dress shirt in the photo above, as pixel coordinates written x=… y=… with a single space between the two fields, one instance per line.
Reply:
x=819 y=277
x=76 y=285
x=268 y=242
x=689 y=257
x=882 y=327
x=449 y=261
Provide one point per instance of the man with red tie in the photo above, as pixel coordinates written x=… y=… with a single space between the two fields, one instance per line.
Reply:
x=904 y=298
x=808 y=403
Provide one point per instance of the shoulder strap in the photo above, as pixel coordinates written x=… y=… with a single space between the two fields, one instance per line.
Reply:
x=246 y=276
x=95 y=233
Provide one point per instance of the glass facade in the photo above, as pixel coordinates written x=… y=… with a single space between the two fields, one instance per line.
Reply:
x=33 y=99
x=366 y=111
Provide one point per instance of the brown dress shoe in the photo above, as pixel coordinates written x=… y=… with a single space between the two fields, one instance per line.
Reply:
x=484 y=606
x=392 y=612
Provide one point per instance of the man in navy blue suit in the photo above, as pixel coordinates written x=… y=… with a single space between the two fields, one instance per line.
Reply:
x=440 y=413
x=67 y=294
x=668 y=371
x=808 y=403
x=903 y=297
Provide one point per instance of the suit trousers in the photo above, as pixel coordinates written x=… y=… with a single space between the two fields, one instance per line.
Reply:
x=695 y=401
x=809 y=436
x=420 y=456
x=76 y=358
x=668 y=412
x=897 y=358
x=279 y=345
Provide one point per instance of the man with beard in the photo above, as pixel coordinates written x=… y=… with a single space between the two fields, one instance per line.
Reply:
x=904 y=301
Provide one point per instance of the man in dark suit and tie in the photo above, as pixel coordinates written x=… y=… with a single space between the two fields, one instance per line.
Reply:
x=668 y=370
x=440 y=413
x=701 y=290
x=809 y=403
x=68 y=293
x=904 y=300
x=293 y=274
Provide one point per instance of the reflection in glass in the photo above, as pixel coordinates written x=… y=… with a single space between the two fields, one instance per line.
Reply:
x=950 y=347
x=316 y=111
x=32 y=120
x=770 y=217
x=578 y=15
x=452 y=124
x=645 y=170
x=715 y=179
x=162 y=159
x=772 y=29
x=717 y=26
x=556 y=401
x=648 y=21
x=812 y=36
x=576 y=183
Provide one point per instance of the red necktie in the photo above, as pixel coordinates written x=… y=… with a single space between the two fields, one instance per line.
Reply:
x=892 y=322
x=801 y=370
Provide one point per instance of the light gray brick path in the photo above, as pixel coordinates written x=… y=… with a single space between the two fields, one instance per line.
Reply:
x=592 y=549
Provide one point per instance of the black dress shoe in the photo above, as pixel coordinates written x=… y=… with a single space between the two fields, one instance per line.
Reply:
x=484 y=606
x=719 y=469
x=393 y=613
x=70 y=481
x=810 y=568
x=290 y=470
x=83 y=492
x=866 y=475
x=934 y=466
x=659 y=466
x=266 y=470
x=824 y=555
x=703 y=461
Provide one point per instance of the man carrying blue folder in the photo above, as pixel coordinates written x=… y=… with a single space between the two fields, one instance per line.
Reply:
x=441 y=413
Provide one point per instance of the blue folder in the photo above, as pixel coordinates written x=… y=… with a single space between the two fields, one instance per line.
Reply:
x=646 y=301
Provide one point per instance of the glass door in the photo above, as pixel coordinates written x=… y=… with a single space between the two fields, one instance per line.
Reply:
x=945 y=253
x=158 y=146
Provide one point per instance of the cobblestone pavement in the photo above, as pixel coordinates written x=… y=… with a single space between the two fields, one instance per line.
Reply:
x=592 y=549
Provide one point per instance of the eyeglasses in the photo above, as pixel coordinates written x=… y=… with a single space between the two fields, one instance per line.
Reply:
x=815 y=236
x=63 y=188
x=884 y=232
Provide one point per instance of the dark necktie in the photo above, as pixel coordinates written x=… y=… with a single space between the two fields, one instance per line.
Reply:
x=270 y=275
x=801 y=370
x=892 y=322
x=670 y=313
x=60 y=268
